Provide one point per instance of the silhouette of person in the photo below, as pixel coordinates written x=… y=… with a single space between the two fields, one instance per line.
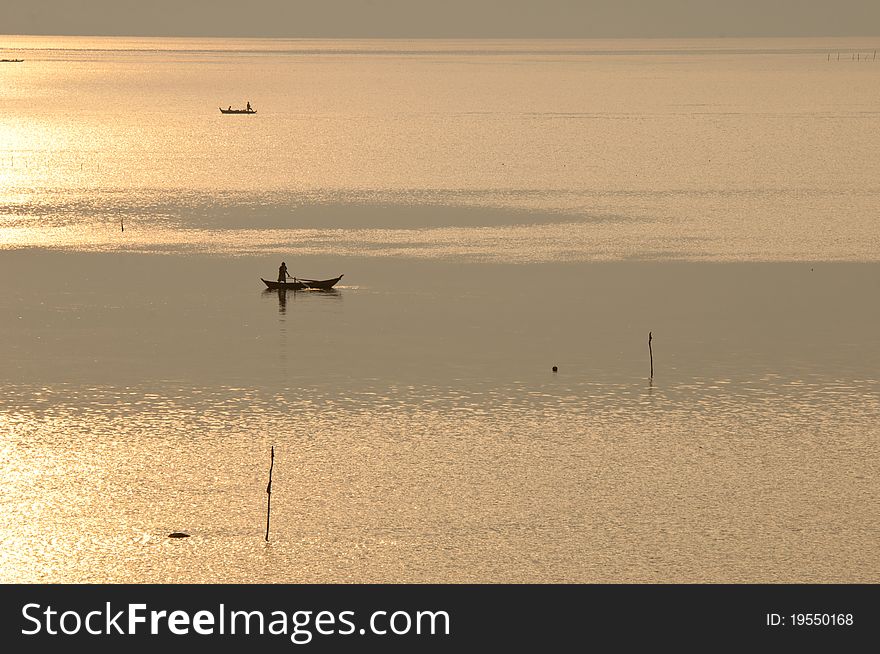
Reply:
x=249 y=105
x=282 y=272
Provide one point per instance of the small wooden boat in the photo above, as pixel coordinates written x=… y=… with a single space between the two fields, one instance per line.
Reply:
x=237 y=111
x=11 y=61
x=303 y=284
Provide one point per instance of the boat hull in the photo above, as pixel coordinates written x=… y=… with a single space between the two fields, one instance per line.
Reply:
x=237 y=111
x=303 y=284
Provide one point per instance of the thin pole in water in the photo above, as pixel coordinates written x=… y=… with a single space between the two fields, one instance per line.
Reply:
x=651 y=353
x=269 y=493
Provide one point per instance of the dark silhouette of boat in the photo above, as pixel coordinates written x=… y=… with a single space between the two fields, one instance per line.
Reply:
x=11 y=61
x=246 y=110
x=303 y=284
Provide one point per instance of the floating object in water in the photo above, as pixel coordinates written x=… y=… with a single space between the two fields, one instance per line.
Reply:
x=178 y=534
x=555 y=369
x=237 y=111
x=301 y=284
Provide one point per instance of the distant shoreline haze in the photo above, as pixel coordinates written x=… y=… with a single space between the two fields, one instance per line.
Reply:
x=450 y=19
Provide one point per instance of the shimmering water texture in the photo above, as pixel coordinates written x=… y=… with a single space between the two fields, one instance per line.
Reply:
x=717 y=481
x=497 y=209
x=505 y=151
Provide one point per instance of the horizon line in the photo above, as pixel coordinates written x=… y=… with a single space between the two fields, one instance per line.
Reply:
x=451 y=37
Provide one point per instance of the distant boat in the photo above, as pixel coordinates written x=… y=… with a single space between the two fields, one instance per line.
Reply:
x=11 y=61
x=237 y=111
x=303 y=284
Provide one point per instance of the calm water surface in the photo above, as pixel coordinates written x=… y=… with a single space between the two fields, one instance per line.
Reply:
x=497 y=208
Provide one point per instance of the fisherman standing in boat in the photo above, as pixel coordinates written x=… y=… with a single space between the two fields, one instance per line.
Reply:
x=249 y=105
x=282 y=273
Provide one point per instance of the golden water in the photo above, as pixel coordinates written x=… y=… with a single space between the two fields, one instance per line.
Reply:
x=497 y=208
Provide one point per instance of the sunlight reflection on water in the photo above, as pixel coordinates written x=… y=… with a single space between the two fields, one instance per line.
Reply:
x=369 y=483
x=420 y=435
x=547 y=227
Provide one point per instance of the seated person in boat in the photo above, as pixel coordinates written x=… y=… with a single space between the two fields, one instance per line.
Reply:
x=282 y=273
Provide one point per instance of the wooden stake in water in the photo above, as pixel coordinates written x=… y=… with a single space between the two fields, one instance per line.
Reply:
x=651 y=353
x=269 y=493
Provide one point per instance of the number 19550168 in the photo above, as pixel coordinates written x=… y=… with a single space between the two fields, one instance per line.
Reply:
x=821 y=619
x=810 y=620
